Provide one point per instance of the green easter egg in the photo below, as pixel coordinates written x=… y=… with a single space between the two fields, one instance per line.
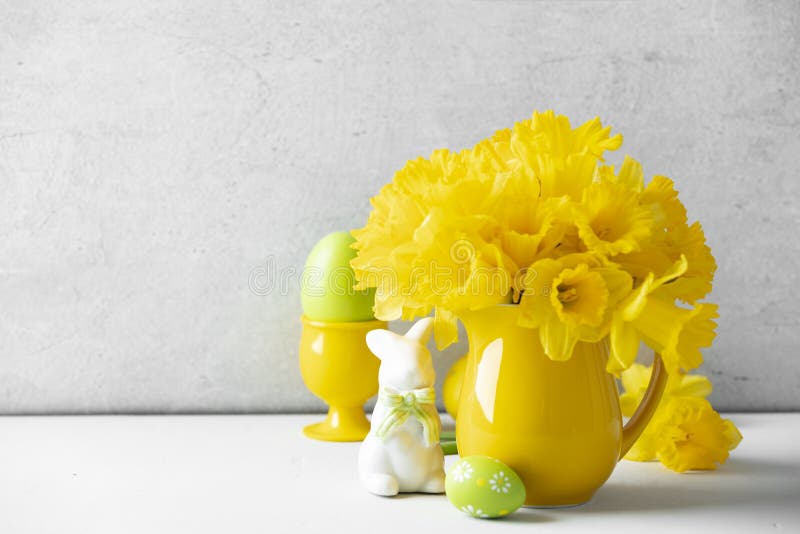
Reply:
x=484 y=487
x=327 y=292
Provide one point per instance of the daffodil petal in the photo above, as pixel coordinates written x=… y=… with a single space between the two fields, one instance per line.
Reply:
x=636 y=377
x=618 y=282
x=624 y=345
x=558 y=339
x=634 y=303
x=732 y=434
x=690 y=385
x=535 y=307
x=445 y=328
x=698 y=331
x=387 y=307
x=628 y=402
x=631 y=175
x=646 y=447
x=659 y=326
x=677 y=269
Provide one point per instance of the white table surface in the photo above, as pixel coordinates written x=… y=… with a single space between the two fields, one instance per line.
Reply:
x=242 y=474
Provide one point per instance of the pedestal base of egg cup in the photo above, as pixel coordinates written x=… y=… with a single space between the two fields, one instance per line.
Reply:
x=341 y=424
x=338 y=368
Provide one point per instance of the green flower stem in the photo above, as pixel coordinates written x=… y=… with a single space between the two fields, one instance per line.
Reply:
x=449 y=447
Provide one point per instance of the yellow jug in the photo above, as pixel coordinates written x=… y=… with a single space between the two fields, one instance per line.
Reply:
x=557 y=424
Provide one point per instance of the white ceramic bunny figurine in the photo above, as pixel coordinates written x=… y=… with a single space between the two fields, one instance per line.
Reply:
x=402 y=452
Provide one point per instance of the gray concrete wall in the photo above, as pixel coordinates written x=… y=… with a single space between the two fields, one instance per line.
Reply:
x=154 y=154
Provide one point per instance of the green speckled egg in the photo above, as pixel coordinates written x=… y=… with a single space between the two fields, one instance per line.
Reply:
x=484 y=487
x=327 y=292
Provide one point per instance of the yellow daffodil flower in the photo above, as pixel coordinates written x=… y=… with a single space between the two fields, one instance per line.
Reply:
x=610 y=220
x=660 y=195
x=569 y=301
x=695 y=284
x=458 y=270
x=676 y=333
x=530 y=230
x=685 y=433
x=564 y=159
x=672 y=238
x=695 y=437
x=624 y=336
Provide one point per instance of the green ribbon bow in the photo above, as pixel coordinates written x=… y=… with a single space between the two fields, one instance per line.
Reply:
x=402 y=404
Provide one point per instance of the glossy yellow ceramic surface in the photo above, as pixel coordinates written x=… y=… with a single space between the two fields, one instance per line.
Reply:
x=556 y=424
x=338 y=368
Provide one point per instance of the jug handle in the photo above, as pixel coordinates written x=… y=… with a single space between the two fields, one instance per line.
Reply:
x=637 y=423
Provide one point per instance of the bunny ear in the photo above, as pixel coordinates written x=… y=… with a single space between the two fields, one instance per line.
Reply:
x=379 y=342
x=421 y=330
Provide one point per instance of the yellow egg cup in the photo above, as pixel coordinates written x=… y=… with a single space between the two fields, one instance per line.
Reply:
x=338 y=368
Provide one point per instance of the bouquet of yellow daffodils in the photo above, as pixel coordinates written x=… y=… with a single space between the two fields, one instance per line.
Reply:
x=532 y=216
